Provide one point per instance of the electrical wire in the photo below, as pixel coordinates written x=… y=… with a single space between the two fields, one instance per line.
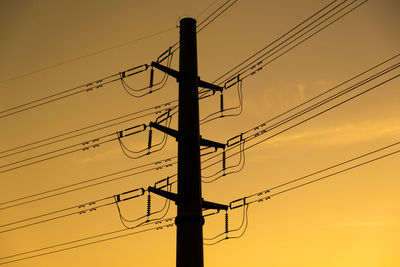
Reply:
x=200 y=27
x=55 y=212
x=266 y=195
x=55 y=218
x=313 y=34
x=165 y=207
x=93 y=143
x=255 y=63
x=325 y=169
x=321 y=178
x=85 y=244
x=157 y=165
x=61 y=95
x=133 y=92
x=158 y=108
x=209 y=118
x=244 y=225
x=264 y=131
x=270 y=44
x=162 y=143
x=86 y=56
x=80 y=209
x=261 y=132
x=252 y=65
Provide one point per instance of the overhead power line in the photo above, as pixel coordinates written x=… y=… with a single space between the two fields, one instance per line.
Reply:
x=152 y=166
x=265 y=128
x=90 y=144
x=162 y=57
x=257 y=131
x=109 y=79
x=87 y=55
x=160 y=225
x=256 y=62
x=84 y=208
x=89 y=129
x=266 y=194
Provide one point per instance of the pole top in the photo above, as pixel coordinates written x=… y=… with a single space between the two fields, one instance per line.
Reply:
x=187 y=20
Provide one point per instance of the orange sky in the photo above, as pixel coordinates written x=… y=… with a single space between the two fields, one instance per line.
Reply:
x=351 y=219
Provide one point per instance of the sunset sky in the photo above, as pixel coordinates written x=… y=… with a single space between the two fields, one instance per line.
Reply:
x=349 y=219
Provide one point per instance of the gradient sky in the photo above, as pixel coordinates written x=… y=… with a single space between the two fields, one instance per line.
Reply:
x=351 y=219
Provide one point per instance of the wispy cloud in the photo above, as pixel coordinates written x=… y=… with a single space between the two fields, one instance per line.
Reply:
x=101 y=156
x=344 y=134
x=362 y=224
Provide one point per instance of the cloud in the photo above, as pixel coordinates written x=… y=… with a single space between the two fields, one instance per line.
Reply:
x=300 y=91
x=364 y=224
x=101 y=156
x=344 y=134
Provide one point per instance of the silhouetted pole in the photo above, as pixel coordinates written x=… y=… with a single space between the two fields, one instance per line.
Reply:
x=189 y=201
x=189 y=219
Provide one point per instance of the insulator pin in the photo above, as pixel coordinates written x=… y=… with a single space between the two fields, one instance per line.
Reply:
x=151 y=77
x=222 y=102
x=150 y=138
x=226 y=223
x=148 y=205
x=224 y=161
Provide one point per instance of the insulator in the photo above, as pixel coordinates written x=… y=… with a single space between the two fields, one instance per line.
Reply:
x=222 y=102
x=148 y=204
x=150 y=138
x=151 y=77
x=226 y=222
x=224 y=161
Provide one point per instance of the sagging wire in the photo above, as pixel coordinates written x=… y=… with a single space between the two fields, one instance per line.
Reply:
x=83 y=208
x=152 y=87
x=223 y=170
x=128 y=152
x=243 y=227
x=149 y=213
x=209 y=152
x=222 y=112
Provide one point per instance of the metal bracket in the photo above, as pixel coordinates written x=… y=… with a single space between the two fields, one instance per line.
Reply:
x=177 y=75
x=175 y=133
x=213 y=206
x=166 y=194
x=175 y=197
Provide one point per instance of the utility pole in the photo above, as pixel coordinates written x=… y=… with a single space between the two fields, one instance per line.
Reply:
x=189 y=201
x=189 y=221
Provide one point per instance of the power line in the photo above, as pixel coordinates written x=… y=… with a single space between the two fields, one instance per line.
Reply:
x=257 y=64
x=93 y=143
x=86 y=56
x=98 y=83
x=157 y=165
x=216 y=16
x=261 y=196
x=159 y=227
x=327 y=169
x=88 y=87
x=157 y=109
x=329 y=175
x=258 y=133
x=308 y=37
x=267 y=45
x=261 y=50
x=83 y=146
x=244 y=204
x=79 y=209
